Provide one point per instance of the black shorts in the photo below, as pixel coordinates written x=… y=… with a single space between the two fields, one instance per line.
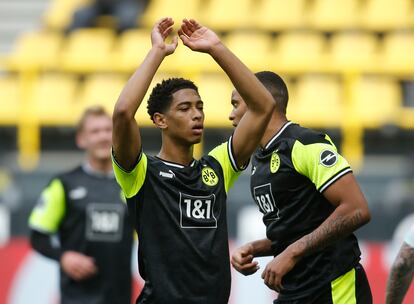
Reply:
x=350 y=288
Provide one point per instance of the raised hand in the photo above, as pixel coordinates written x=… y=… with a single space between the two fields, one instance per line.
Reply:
x=161 y=30
x=242 y=260
x=197 y=37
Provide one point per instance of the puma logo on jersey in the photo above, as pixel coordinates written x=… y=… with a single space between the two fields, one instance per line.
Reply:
x=254 y=170
x=78 y=193
x=168 y=174
x=328 y=158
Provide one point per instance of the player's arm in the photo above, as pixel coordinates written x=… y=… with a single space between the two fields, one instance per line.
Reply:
x=351 y=212
x=44 y=223
x=42 y=243
x=332 y=176
x=258 y=100
x=126 y=137
x=242 y=257
x=401 y=275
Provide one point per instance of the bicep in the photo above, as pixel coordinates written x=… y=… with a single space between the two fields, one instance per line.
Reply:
x=247 y=136
x=345 y=190
x=126 y=140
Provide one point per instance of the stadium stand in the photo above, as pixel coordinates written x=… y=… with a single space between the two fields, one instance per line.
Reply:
x=88 y=50
x=348 y=50
x=353 y=51
x=9 y=100
x=317 y=101
x=321 y=18
x=279 y=15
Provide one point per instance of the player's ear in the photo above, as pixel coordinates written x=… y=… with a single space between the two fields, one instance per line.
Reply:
x=80 y=140
x=159 y=120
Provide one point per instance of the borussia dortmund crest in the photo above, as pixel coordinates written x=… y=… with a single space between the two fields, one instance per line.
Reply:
x=274 y=162
x=209 y=177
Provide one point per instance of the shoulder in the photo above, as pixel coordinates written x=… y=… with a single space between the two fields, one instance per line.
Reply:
x=77 y=171
x=308 y=136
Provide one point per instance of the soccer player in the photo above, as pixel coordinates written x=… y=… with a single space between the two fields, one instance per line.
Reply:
x=311 y=204
x=85 y=210
x=402 y=271
x=177 y=202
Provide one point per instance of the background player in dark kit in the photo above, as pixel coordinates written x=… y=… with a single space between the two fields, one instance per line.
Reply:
x=178 y=203
x=311 y=204
x=84 y=209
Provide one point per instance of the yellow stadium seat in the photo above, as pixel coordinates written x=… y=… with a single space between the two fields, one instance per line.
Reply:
x=60 y=13
x=328 y=15
x=88 y=50
x=227 y=15
x=382 y=15
x=353 y=51
x=215 y=90
x=131 y=49
x=375 y=101
x=102 y=90
x=253 y=48
x=176 y=9
x=397 y=52
x=9 y=100
x=36 y=50
x=316 y=101
x=298 y=51
x=279 y=15
x=54 y=99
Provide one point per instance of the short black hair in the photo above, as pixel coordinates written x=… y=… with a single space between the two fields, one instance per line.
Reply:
x=277 y=87
x=161 y=95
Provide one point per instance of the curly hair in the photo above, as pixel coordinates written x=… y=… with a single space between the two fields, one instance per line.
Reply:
x=161 y=95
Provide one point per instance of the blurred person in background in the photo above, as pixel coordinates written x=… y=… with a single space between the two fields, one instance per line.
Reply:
x=125 y=13
x=402 y=271
x=178 y=203
x=311 y=205
x=81 y=222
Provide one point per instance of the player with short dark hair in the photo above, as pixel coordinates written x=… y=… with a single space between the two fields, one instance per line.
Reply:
x=84 y=208
x=178 y=203
x=311 y=204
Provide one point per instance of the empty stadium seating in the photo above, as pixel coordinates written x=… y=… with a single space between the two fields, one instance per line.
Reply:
x=88 y=50
x=317 y=101
x=344 y=58
x=9 y=100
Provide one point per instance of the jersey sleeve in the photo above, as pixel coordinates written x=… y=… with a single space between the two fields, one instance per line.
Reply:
x=320 y=162
x=130 y=181
x=409 y=238
x=224 y=155
x=50 y=208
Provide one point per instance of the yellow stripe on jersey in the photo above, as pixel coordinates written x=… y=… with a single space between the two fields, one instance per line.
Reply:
x=343 y=289
x=131 y=181
x=320 y=162
x=221 y=154
x=50 y=209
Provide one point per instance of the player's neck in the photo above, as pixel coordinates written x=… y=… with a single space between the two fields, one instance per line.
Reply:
x=99 y=165
x=177 y=153
x=275 y=124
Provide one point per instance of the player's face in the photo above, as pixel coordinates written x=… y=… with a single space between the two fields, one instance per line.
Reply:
x=185 y=117
x=96 y=137
x=239 y=108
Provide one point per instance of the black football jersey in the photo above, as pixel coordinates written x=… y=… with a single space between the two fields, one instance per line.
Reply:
x=179 y=213
x=87 y=212
x=288 y=178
